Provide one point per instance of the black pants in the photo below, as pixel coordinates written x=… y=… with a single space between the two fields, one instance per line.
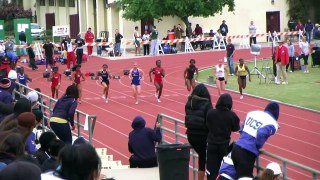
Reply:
x=63 y=131
x=253 y=39
x=291 y=64
x=147 y=163
x=199 y=144
x=243 y=161
x=146 y=48
x=33 y=63
x=79 y=53
x=215 y=154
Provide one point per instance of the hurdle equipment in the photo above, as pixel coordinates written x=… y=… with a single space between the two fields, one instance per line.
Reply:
x=188 y=46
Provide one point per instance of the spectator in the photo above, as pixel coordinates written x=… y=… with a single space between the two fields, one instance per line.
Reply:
x=21 y=170
x=5 y=98
x=11 y=147
x=299 y=26
x=9 y=45
x=224 y=28
x=2 y=50
x=31 y=54
x=255 y=131
x=281 y=61
x=211 y=33
x=178 y=32
x=142 y=144
x=63 y=44
x=146 y=45
x=23 y=41
x=70 y=53
x=23 y=79
x=79 y=52
x=10 y=121
x=253 y=33
x=305 y=51
x=230 y=52
x=220 y=122
x=48 y=51
x=52 y=163
x=291 y=24
x=308 y=27
x=77 y=162
x=272 y=172
x=196 y=108
x=291 y=56
x=89 y=37
x=198 y=30
x=137 y=39
x=43 y=152
x=118 y=38
x=154 y=41
x=63 y=114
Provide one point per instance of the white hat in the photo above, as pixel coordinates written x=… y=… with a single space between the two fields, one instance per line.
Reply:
x=275 y=168
x=12 y=75
x=32 y=96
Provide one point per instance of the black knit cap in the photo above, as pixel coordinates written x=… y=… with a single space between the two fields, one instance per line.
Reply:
x=22 y=105
x=273 y=109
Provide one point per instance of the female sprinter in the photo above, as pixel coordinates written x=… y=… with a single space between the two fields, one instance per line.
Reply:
x=189 y=75
x=158 y=72
x=242 y=71
x=55 y=79
x=136 y=74
x=220 y=72
x=76 y=78
x=104 y=76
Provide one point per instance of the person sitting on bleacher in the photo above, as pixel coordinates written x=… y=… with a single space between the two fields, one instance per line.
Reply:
x=142 y=144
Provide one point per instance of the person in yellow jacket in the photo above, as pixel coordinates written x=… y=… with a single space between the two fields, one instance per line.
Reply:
x=242 y=71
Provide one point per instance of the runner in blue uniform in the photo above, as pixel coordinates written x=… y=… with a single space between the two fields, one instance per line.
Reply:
x=136 y=75
x=104 y=77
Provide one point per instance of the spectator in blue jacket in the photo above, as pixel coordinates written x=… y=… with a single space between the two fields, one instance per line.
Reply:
x=257 y=128
x=142 y=144
x=63 y=114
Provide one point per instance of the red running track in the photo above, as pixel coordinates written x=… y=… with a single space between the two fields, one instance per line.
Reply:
x=297 y=140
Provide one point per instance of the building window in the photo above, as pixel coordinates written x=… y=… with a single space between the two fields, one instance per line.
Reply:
x=51 y=2
x=42 y=2
x=72 y=3
x=62 y=3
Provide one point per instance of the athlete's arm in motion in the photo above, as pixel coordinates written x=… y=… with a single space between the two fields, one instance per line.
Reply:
x=130 y=74
x=141 y=74
x=185 y=74
x=162 y=72
x=197 y=73
x=247 y=69
x=150 y=74
x=226 y=73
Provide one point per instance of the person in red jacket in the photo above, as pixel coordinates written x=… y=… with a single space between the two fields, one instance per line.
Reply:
x=281 y=60
x=89 y=37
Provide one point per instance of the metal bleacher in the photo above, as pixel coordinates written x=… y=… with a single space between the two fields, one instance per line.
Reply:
x=176 y=135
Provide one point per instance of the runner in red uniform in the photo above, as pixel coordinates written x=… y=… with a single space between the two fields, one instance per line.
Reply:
x=55 y=79
x=76 y=78
x=158 y=72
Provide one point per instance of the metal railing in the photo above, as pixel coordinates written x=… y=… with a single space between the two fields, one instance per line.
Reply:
x=47 y=104
x=176 y=136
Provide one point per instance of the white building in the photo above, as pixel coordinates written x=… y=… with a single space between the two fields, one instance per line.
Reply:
x=100 y=16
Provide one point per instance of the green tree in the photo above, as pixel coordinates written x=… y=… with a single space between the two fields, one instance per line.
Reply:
x=304 y=10
x=136 y=10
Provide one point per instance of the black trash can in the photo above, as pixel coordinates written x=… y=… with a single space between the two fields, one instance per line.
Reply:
x=173 y=161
